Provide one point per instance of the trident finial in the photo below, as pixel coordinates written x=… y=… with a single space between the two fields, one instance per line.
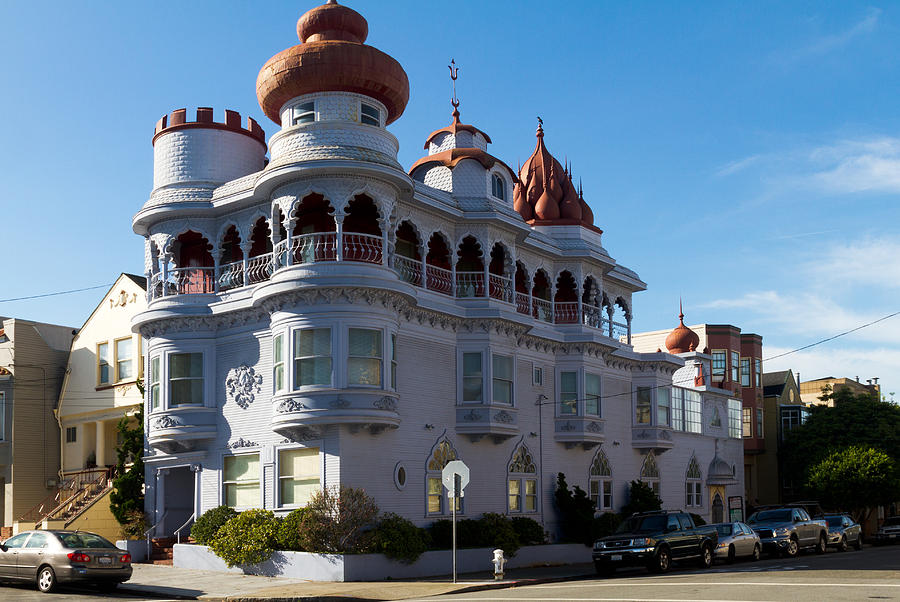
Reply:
x=540 y=121
x=454 y=71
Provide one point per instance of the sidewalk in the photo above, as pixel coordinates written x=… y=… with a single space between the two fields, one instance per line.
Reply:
x=213 y=586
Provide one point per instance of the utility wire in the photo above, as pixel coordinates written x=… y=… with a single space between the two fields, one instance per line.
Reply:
x=896 y=313
x=75 y=290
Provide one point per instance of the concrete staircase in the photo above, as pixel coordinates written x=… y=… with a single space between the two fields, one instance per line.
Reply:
x=161 y=550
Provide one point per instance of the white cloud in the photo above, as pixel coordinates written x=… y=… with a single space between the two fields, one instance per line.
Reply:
x=840 y=362
x=831 y=42
x=871 y=262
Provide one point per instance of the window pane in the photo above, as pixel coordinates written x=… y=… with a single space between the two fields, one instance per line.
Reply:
x=243 y=467
x=662 y=406
x=278 y=351
x=693 y=411
x=241 y=495
x=592 y=394
x=747 y=422
x=642 y=414
x=568 y=389
x=718 y=363
x=299 y=462
x=472 y=389
x=502 y=391
x=186 y=391
x=472 y=364
x=363 y=371
x=513 y=490
x=103 y=362
x=677 y=401
x=312 y=371
x=312 y=341
x=185 y=365
x=503 y=367
x=154 y=370
x=123 y=350
x=364 y=342
x=434 y=495
x=745 y=371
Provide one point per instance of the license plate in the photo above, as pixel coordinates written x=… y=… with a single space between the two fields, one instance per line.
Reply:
x=104 y=560
x=615 y=557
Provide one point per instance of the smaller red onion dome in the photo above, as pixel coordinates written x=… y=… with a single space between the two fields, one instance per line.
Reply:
x=682 y=339
x=546 y=195
x=332 y=56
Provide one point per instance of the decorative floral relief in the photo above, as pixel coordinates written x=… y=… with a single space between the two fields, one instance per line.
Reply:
x=595 y=427
x=241 y=442
x=503 y=416
x=472 y=416
x=386 y=403
x=339 y=404
x=164 y=422
x=568 y=426
x=242 y=384
x=290 y=405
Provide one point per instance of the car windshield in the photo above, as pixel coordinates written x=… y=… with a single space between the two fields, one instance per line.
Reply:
x=771 y=516
x=724 y=530
x=84 y=540
x=834 y=521
x=643 y=524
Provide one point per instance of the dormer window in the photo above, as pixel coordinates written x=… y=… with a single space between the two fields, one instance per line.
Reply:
x=305 y=113
x=498 y=187
x=369 y=115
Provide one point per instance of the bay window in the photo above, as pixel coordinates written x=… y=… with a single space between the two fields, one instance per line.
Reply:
x=592 y=394
x=185 y=379
x=642 y=407
x=473 y=377
x=312 y=357
x=734 y=418
x=662 y=406
x=154 y=383
x=718 y=362
x=364 y=357
x=502 y=379
x=568 y=393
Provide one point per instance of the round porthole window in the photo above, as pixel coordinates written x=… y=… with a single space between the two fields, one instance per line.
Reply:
x=399 y=476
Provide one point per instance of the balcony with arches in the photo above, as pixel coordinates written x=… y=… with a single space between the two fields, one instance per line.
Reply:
x=314 y=232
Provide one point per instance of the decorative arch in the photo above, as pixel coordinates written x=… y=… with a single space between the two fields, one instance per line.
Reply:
x=565 y=300
x=362 y=235
x=194 y=263
x=498 y=186
x=718 y=509
x=230 y=273
x=436 y=501
x=470 y=267
x=693 y=484
x=541 y=292
x=521 y=481
x=408 y=252
x=650 y=472
x=600 y=476
x=522 y=286
x=438 y=271
x=500 y=268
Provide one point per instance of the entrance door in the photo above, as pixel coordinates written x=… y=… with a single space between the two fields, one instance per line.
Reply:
x=718 y=509
x=178 y=499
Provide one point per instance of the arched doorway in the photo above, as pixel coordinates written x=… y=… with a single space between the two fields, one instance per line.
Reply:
x=718 y=509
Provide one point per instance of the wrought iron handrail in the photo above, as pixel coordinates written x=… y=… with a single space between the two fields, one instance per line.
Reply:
x=183 y=525
x=151 y=529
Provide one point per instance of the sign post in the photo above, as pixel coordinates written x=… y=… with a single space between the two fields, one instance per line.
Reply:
x=455 y=477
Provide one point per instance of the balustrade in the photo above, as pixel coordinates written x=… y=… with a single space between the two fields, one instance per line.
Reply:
x=565 y=312
x=500 y=287
x=523 y=306
x=438 y=279
x=542 y=310
x=231 y=275
x=260 y=268
x=409 y=270
x=470 y=284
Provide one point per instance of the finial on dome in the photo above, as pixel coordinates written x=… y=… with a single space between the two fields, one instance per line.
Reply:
x=540 y=128
x=682 y=339
x=680 y=311
x=454 y=73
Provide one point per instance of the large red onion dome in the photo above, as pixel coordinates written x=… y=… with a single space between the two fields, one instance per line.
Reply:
x=332 y=57
x=682 y=339
x=545 y=194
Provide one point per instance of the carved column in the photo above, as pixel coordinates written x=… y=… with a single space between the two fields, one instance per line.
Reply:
x=339 y=235
x=609 y=314
x=245 y=252
x=288 y=251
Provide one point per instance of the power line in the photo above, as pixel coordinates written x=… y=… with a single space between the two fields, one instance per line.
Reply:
x=74 y=290
x=896 y=313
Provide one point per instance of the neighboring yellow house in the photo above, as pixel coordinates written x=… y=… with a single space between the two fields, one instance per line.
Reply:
x=811 y=390
x=99 y=388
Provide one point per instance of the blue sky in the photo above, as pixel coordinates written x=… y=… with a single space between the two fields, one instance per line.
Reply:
x=742 y=156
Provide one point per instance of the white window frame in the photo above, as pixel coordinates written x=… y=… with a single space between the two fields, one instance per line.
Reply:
x=392 y=337
x=537 y=376
x=118 y=376
x=693 y=411
x=498 y=182
x=301 y=110
x=207 y=350
x=154 y=387
x=600 y=485
x=461 y=374
x=521 y=481
x=660 y=405
x=279 y=477
x=278 y=366
x=511 y=380
x=295 y=372
x=204 y=378
x=650 y=405
x=363 y=116
x=734 y=418
x=444 y=496
x=259 y=484
x=589 y=396
x=652 y=481
x=110 y=368
x=712 y=363
x=693 y=486
x=346 y=364
x=562 y=403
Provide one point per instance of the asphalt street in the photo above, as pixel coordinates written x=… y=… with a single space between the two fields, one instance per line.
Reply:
x=870 y=574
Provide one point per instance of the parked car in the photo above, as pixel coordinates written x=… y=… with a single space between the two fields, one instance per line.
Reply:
x=843 y=531
x=48 y=558
x=888 y=532
x=786 y=530
x=655 y=539
x=737 y=540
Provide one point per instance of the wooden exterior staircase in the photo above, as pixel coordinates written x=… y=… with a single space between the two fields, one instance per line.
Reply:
x=76 y=493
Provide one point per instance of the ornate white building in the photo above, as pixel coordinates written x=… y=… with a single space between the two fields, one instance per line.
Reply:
x=326 y=317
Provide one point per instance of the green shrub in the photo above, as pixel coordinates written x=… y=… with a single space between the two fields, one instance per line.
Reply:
x=576 y=512
x=498 y=532
x=605 y=524
x=134 y=526
x=641 y=498
x=529 y=531
x=287 y=536
x=468 y=534
x=204 y=528
x=399 y=539
x=248 y=538
x=336 y=521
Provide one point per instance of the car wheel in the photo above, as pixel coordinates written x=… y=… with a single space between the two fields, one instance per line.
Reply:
x=793 y=548
x=661 y=562
x=822 y=545
x=842 y=546
x=858 y=544
x=730 y=557
x=757 y=552
x=46 y=579
x=706 y=556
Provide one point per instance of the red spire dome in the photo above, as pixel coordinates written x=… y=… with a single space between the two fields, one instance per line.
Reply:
x=332 y=56
x=545 y=194
x=682 y=339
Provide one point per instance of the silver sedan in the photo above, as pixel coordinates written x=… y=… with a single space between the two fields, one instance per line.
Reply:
x=47 y=558
x=736 y=540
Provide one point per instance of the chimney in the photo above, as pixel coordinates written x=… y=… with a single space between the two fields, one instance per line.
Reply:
x=857 y=379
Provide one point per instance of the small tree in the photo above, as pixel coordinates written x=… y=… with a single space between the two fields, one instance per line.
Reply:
x=126 y=501
x=641 y=498
x=856 y=479
x=576 y=511
x=336 y=519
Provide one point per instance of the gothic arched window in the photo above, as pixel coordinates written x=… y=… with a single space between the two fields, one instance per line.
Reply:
x=601 y=482
x=521 y=482
x=650 y=473
x=441 y=455
x=693 y=485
